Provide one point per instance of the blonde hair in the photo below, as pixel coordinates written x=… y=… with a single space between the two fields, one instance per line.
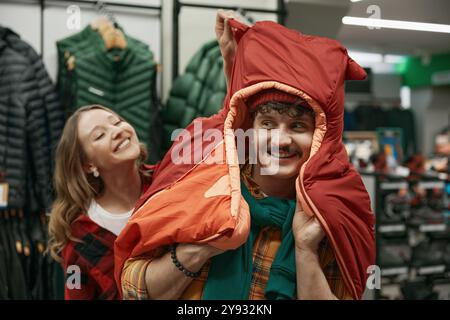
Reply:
x=74 y=188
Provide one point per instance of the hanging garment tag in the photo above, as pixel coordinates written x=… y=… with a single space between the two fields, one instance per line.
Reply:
x=4 y=191
x=96 y=91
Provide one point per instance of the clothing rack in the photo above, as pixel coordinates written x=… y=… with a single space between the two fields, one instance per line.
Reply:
x=95 y=5
x=43 y=4
x=178 y=5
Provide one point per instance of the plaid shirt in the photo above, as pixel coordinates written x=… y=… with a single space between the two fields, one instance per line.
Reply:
x=265 y=248
x=94 y=256
x=264 y=251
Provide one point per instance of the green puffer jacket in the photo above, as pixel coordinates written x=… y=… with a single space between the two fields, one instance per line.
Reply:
x=123 y=80
x=199 y=92
x=77 y=45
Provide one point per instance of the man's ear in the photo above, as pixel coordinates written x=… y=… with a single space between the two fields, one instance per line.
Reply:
x=238 y=29
x=354 y=71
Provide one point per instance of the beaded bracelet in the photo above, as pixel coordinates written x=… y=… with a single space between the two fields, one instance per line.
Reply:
x=180 y=267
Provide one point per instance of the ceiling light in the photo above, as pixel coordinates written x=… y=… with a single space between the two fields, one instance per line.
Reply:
x=396 y=24
x=394 y=59
x=366 y=57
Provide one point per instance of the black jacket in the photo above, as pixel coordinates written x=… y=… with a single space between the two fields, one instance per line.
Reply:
x=54 y=113
x=47 y=120
x=24 y=138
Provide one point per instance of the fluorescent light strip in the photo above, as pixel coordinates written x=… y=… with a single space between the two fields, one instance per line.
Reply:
x=393 y=59
x=396 y=24
x=371 y=57
x=366 y=57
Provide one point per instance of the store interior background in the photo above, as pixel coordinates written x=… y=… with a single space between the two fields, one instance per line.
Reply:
x=381 y=50
x=429 y=103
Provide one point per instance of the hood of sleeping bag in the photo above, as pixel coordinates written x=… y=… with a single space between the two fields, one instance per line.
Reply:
x=201 y=201
x=270 y=56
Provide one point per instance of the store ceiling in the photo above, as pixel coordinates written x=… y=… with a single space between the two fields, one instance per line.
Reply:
x=323 y=17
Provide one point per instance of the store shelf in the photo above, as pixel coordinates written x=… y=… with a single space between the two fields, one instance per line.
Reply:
x=427 y=270
x=393 y=185
x=394 y=271
x=402 y=237
x=392 y=228
x=431 y=184
x=432 y=227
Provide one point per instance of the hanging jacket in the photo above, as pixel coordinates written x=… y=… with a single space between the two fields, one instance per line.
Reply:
x=404 y=119
x=24 y=138
x=3 y=272
x=369 y=118
x=201 y=201
x=68 y=49
x=199 y=92
x=123 y=80
x=38 y=287
x=15 y=277
x=53 y=111
x=77 y=45
x=349 y=121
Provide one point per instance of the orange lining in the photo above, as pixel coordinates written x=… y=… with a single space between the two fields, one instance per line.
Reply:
x=179 y=179
x=237 y=103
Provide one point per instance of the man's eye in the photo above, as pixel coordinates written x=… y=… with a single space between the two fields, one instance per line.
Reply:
x=118 y=122
x=267 y=124
x=99 y=136
x=298 y=125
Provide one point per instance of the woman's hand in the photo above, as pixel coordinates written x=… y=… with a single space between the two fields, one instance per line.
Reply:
x=307 y=230
x=226 y=40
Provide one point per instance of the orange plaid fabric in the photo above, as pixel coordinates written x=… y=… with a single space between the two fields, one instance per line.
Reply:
x=264 y=251
x=133 y=279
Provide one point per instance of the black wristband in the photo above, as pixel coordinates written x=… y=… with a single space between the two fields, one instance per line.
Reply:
x=180 y=267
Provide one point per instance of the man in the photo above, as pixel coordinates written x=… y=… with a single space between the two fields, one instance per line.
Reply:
x=292 y=83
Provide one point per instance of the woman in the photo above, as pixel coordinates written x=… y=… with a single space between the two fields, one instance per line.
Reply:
x=99 y=176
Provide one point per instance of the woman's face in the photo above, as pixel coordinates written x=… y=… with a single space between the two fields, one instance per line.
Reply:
x=284 y=144
x=106 y=139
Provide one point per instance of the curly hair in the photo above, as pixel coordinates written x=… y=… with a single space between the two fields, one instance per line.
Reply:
x=294 y=110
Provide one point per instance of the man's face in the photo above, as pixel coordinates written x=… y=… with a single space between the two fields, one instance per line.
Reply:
x=283 y=141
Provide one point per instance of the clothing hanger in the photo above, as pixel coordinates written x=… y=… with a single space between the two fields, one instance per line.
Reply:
x=17 y=237
x=24 y=234
x=37 y=233
x=245 y=17
x=114 y=38
x=100 y=22
x=107 y=26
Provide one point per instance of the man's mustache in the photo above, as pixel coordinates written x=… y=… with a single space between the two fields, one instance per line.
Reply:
x=286 y=150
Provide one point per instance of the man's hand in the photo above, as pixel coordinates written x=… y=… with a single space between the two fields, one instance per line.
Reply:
x=224 y=35
x=307 y=230
x=226 y=40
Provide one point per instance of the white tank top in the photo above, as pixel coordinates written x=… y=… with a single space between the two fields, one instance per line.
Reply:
x=110 y=221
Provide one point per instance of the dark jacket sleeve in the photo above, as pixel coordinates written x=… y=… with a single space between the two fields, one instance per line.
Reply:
x=52 y=112
x=27 y=95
